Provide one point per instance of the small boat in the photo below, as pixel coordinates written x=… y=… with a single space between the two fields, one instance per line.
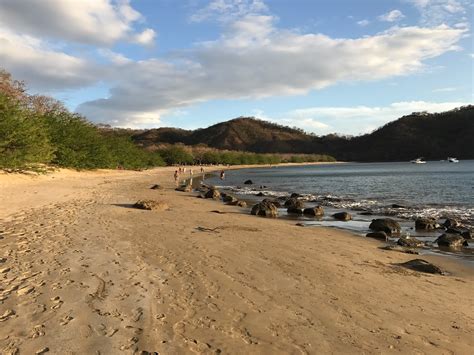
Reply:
x=418 y=161
x=453 y=160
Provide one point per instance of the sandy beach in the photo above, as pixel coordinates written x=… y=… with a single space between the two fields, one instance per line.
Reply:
x=82 y=272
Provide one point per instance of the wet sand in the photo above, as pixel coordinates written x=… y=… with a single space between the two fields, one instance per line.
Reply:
x=82 y=272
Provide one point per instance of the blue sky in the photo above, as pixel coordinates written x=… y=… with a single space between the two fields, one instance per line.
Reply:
x=325 y=66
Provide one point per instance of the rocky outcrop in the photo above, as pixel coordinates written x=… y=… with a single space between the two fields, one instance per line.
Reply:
x=229 y=199
x=410 y=242
x=294 y=210
x=342 y=216
x=316 y=211
x=423 y=266
x=454 y=241
x=265 y=208
x=426 y=223
x=151 y=205
x=212 y=193
x=293 y=202
x=464 y=232
x=386 y=225
x=451 y=223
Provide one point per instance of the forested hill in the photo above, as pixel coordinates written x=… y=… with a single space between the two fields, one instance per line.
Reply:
x=433 y=136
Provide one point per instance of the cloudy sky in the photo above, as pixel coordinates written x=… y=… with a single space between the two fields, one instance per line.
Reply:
x=345 y=66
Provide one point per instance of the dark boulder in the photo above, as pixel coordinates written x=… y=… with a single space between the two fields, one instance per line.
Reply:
x=423 y=266
x=386 y=225
x=229 y=199
x=410 y=242
x=260 y=194
x=451 y=223
x=248 y=182
x=342 y=216
x=426 y=223
x=464 y=232
x=295 y=195
x=265 y=208
x=395 y=205
x=451 y=241
x=366 y=213
x=377 y=235
x=213 y=193
x=294 y=202
x=294 y=210
x=315 y=211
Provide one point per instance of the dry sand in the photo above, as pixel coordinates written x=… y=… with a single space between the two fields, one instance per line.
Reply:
x=84 y=273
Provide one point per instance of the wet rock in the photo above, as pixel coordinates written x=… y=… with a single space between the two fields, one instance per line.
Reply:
x=410 y=242
x=248 y=182
x=377 y=235
x=295 y=195
x=213 y=193
x=260 y=194
x=151 y=205
x=294 y=210
x=386 y=225
x=451 y=223
x=264 y=208
x=342 y=216
x=294 y=203
x=315 y=211
x=156 y=187
x=397 y=206
x=451 y=241
x=426 y=223
x=229 y=199
x=423 y=266
x=464 y=232
x=242 y=204
x=366 y=213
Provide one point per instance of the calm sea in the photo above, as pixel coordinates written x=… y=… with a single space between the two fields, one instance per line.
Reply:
x=436 y=189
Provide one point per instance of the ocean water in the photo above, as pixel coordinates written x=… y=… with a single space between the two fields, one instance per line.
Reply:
x=437 y=189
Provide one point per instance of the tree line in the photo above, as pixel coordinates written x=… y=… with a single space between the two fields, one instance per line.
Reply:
x=37 y=130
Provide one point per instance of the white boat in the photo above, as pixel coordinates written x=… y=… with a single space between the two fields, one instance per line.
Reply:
x=453 y=160
x=418 y=161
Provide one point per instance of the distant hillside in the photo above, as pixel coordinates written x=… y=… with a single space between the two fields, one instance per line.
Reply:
x=433 y=136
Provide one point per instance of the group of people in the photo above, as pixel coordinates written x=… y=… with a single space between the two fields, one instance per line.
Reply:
x=182 y=170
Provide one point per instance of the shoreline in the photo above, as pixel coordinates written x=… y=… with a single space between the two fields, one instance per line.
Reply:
x=87 y=272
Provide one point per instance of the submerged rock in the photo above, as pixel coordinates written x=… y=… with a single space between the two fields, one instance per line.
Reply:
x=464 y=232
x=294 y=210
x=248 y=182
x=150 y=205
x=265 y=208
x=400 y=249
x=410 y=242
x=386 y=225
x=451 y=241
x=423 y=266
x=295 y=195
x=426 y=223
x=377 y=235
x=315 y=211
x=342 y=216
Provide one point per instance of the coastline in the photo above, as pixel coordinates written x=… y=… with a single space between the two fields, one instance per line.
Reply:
x=187 y=279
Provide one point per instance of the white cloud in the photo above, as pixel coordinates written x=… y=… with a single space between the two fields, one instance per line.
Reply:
x=97 y=22
x=392 y=16
x=228 y=10
x=363 y=23
x=435 y=12
x=43 y=68
x=360 y=119
x=253 y=59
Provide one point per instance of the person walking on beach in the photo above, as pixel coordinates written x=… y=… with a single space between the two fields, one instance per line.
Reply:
x=191 y=172
x=176 y=176
x=222 y=175
x=202 y=170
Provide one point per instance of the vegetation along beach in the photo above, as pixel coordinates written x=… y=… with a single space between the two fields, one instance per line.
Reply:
x=236 y=177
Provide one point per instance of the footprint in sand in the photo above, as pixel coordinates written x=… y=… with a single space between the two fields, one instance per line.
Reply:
x=65 y=320
x=7 y=315
x=137 y=314
x=38 y=331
